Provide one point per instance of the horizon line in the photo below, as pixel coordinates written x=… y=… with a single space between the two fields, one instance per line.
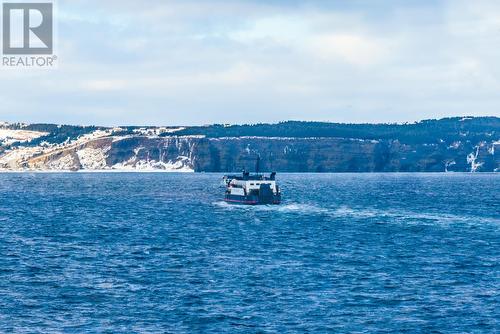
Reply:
x=463 y=118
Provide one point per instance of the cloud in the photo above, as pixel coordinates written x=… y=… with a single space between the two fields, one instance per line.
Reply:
x=352 y=49
x=196 y=62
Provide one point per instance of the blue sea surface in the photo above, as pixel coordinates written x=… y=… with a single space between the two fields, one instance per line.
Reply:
x=162 y=253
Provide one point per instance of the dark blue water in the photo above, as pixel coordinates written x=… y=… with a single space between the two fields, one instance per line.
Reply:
x=154 y=253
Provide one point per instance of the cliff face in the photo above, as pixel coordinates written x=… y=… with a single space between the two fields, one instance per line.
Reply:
x=151 y=149
x=235 y=154
x=342 y=155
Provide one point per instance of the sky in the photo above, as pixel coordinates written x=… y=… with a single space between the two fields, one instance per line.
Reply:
x=194 y=62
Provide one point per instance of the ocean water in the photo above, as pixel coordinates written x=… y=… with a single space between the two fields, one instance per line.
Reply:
x=161 y=253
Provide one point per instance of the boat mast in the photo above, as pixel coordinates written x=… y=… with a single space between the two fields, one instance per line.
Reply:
x=257 y=165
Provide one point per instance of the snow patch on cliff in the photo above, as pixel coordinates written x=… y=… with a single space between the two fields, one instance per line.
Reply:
x=66 y=162
x=93 y=136
x=154 y=132
x=472 y=160
x=449 y=164
x=182 y=164
x=93 y=158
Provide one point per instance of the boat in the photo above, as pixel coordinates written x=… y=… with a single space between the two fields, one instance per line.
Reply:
x=252 y=189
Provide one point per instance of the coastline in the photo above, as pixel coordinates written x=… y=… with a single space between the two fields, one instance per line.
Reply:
x=131 y=171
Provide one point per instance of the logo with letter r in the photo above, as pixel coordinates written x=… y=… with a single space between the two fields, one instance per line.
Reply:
x=28 y=28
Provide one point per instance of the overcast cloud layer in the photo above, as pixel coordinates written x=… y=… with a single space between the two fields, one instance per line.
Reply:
x=185 y=62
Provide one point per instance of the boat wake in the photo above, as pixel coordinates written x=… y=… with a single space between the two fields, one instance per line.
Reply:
x=285 y=208
x=400 y=216
x=345 y=212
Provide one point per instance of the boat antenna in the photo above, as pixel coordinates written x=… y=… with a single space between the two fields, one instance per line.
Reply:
x=257 y=165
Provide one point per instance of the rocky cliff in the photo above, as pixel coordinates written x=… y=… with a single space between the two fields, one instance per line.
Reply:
x=463 y=148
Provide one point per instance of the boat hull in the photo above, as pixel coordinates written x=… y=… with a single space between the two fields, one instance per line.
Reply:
x=253 y=200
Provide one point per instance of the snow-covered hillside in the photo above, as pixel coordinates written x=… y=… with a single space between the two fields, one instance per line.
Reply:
x=9 y=136
x=462 y=145
x=90 y=152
